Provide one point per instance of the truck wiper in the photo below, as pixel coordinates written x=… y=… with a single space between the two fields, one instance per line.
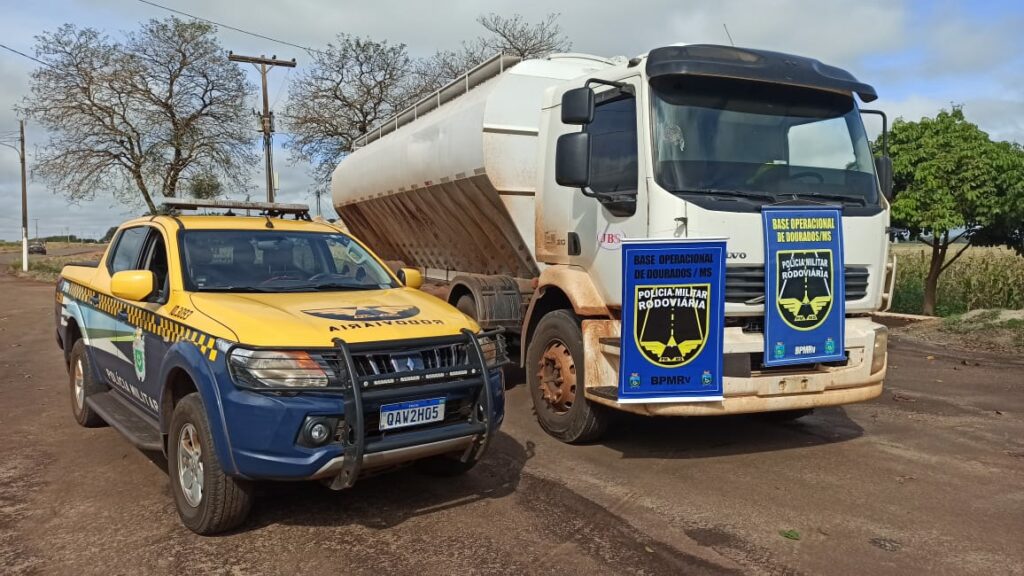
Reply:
x=338 y=286
x=234 y=289
x=749 y=194
x=839 y=197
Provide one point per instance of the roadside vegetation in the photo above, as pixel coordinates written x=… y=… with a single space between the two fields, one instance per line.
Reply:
x=999 y=331
x=983 y=278
x=47 y=268
x=980 y=299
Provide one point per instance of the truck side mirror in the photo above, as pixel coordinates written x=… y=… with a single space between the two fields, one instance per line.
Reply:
x=883 y=167
x=572 y=160
x=578 y=106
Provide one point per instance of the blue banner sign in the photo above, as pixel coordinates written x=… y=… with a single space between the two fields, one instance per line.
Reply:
x=673 y=317
x=804 y=300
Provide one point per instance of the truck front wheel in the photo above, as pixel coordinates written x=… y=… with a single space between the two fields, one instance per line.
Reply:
x=207 y=500
x=555 y=374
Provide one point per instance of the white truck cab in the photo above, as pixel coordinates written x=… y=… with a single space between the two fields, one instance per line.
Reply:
x=517 y=184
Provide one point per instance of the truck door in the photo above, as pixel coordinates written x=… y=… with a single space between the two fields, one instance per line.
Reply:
x=614 y=167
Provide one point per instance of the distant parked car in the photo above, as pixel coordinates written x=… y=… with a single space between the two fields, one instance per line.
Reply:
x=37 y=248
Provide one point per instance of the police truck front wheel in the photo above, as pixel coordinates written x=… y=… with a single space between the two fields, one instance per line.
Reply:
x=207 y=500
x=83 y=384
x=555 y=374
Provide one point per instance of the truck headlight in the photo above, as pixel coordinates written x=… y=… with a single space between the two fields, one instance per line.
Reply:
x=880 y=349
x=275 y=369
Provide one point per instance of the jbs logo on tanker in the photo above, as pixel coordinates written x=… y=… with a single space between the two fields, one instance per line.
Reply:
x=665 y=261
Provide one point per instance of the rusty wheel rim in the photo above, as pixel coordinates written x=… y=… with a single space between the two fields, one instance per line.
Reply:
x=556 y=377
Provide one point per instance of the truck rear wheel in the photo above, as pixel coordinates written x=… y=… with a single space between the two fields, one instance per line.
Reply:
x=467 y=305
x=208 y=501
x=555 y=375
x=83 y=384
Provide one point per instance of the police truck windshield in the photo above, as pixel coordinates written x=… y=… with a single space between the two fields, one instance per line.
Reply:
x=271 y=261
x=718 y=137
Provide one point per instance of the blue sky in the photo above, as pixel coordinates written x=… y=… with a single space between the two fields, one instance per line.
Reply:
x=921 y=56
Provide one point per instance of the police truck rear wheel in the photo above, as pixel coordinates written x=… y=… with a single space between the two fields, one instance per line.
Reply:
x=207 y=500
x=554 y=366
x=83 y=384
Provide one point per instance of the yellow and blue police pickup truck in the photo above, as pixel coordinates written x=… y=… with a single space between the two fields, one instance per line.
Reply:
x=256 y=344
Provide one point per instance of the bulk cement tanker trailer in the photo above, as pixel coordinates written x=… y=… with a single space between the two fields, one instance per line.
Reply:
x=517 y=184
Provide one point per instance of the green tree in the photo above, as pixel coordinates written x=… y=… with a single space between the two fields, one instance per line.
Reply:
x=953 y=183
x=205 y=186
x=109 y=235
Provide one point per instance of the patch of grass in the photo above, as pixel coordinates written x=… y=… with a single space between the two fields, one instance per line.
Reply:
x=981 y=278
x=47 y=268
x=987 y=329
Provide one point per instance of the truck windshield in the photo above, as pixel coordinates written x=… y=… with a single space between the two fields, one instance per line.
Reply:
x=271 y=261
x=759 y=141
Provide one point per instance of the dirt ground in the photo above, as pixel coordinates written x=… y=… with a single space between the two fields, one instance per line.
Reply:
x=925 y=479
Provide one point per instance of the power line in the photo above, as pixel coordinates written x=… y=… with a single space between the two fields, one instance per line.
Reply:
x=33 y=58
x=257 y=35
x=280 y=88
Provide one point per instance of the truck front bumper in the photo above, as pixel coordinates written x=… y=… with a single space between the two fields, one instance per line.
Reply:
x=748 y=387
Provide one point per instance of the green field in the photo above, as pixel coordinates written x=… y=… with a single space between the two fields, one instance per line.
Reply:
x=982 y=278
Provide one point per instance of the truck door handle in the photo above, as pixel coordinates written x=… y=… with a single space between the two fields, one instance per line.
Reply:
x=122 y=315
x=94 y=299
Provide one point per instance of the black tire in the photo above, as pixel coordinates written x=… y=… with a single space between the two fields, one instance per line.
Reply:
x=467 y=305
x=784 y=415
x=581 y=420
x=79 y=365
x=223 y=502
x=445 y=465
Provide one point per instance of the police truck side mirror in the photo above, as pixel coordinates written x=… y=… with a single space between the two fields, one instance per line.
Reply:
x=578 y=106
x=883 y=167
x=410 y=277
x=133 y=285
x=572 y=160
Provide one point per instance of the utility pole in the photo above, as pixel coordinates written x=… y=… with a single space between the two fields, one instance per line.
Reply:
x=37 y=227
x=20 y=149
x=267 y=118
x=24 y=199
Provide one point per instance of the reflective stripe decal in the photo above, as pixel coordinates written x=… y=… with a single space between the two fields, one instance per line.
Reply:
x=166 y=328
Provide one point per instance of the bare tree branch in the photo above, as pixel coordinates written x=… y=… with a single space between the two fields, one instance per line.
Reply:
x=140 y=116
x=350 y=87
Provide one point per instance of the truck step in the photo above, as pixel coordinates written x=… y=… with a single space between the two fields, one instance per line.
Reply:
x=134 y=425
x=609 y=392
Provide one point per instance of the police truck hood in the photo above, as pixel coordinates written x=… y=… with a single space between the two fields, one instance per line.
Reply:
x=316 y=318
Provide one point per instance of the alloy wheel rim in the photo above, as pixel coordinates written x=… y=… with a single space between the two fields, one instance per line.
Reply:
x=79 y=377
x=190 y=465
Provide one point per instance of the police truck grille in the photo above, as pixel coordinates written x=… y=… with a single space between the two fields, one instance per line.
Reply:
x=448 y=360
x=745 y=283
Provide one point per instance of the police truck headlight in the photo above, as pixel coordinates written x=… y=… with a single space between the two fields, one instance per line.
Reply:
x=276 y=369
x=880 y=349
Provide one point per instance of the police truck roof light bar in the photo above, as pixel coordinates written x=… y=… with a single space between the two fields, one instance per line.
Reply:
x=271 y=208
